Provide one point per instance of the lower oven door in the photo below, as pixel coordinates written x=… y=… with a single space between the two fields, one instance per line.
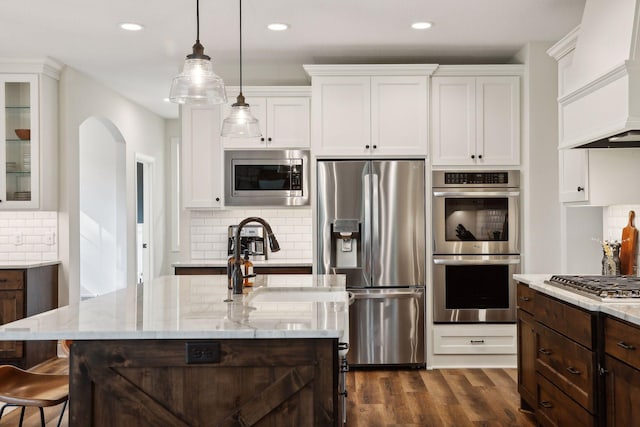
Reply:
x=474 y=288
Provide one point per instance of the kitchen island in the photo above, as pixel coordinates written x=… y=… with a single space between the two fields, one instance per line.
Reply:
x=178 y=352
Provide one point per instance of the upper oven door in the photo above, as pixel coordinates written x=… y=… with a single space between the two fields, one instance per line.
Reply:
x=476 y=221
x=266 y=178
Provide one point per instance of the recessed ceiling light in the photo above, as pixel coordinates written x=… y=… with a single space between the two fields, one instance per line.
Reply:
x=278 y=27
x=421 y=25
x=131 y=26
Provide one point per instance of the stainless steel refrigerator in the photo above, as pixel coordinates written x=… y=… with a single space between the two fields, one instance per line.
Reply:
x=371 y=227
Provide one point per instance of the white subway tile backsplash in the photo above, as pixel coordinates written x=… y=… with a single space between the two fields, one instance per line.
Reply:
x=615 y=218
x=293 y=228
x=24 y=236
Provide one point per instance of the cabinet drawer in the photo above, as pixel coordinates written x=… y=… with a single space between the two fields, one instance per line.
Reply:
x=568 y=365
x=556 y=315
x=556 y=409
x=457 y=339
x=11 y=279
x=622 y=341
x=526 y=298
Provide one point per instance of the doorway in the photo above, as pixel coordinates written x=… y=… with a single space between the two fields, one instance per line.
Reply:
x=144 y=180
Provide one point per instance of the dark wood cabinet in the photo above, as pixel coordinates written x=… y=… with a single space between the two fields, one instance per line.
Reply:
x=257 y=269
x=261 y=382
x=527 y=382
x=26 y=292
x=557 y=360
x=621 y=374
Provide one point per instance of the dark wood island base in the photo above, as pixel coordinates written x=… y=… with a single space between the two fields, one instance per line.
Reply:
x=224 y=382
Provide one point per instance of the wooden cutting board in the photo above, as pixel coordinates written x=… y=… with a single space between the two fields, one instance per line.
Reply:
x=628 y=247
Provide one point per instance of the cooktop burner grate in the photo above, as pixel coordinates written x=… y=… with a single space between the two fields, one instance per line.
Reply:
x=601 y=287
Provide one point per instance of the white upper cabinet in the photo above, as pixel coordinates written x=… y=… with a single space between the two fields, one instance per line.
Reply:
x=29 y=129
x=574 y=175
x=476 y=120
x=369 y=109
x=284 y=120
x=202 y=169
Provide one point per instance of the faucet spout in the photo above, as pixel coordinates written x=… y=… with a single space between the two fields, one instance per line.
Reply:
x=236 y=267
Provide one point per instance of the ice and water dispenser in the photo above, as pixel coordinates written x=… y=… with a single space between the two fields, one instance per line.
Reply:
x=345 y=243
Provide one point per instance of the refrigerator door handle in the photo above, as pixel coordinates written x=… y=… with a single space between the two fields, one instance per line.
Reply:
x=374 y=221
x=409 y=293
x=366 y=250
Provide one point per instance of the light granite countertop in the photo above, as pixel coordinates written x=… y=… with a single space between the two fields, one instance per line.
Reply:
x=622 y=310
x=12 y=265
x=193 y=307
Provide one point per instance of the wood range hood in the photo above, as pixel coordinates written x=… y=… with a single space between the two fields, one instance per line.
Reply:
x=600 y=107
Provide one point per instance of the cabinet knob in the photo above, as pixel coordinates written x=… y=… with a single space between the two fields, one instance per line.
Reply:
x=580 y=188
x=544 y=351
x=473 y=156
x=525 y=298
x=217 y=199
x=479 y=156
x=269 y=139
x=375 y=146
x=546 y=404
x=262 y=139
x=366 y=146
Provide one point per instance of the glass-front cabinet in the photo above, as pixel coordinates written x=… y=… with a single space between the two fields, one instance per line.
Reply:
x=20 y=138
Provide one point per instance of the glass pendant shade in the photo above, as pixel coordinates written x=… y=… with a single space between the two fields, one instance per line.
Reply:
x=241 y=123
x=198 y=84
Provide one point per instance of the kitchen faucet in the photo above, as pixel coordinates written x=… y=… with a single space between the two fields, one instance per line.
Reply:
x=234 y=266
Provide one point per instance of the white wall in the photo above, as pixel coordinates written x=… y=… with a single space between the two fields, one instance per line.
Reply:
x=540 y=203
x=144 y=132
x=103 y=210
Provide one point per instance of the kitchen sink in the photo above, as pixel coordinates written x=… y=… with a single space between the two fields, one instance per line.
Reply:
x=272 y=294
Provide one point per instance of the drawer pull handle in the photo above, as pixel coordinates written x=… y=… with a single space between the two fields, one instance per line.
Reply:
x=477 y=341
x=545 y=351
x=546 y=404
x=573 y=370
x=3 y=280
x=525 y=298
x=626 y=346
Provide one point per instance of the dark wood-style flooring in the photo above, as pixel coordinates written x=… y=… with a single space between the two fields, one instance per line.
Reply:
x=386 y=398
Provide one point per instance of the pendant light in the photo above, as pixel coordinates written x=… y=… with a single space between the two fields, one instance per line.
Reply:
x=198 y=84
x=241 y=123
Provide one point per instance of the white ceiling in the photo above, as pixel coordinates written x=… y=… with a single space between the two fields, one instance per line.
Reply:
x=84 y=34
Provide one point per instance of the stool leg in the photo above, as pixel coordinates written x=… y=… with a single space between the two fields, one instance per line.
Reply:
x=22 y=415
x=2 y=409
x=42 y=416
x=62 y=413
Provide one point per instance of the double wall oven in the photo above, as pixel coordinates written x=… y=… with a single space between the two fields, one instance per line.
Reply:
x=476 y=246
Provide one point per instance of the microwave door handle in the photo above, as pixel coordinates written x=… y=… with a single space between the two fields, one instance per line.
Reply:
x=503 y=261
x=476 y=193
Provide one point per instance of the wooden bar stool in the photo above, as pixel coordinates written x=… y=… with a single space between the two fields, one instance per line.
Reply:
x=26 y=388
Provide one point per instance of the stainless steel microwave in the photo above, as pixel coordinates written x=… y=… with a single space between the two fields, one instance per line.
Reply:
x=266 y=177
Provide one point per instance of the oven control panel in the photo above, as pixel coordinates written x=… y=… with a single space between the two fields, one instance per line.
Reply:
x=476 y=178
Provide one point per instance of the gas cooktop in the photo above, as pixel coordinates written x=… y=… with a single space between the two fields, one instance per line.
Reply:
x=601 y=288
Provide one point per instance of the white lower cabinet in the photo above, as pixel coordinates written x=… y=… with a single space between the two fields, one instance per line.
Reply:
x=474 y=339
x=202 y=159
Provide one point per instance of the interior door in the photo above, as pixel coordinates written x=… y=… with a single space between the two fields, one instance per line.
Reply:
x=398 y=223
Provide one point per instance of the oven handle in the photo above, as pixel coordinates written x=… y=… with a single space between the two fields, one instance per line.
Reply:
x=476 y=193
x=502 y=261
